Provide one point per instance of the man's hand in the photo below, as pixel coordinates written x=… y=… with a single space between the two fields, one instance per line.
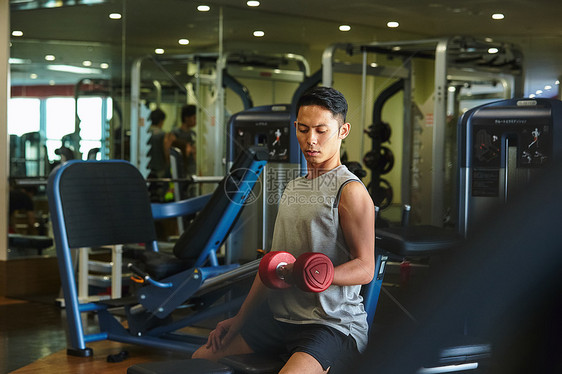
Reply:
x=221 y=336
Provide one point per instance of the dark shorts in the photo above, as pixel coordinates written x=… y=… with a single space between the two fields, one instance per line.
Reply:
x=327 y=345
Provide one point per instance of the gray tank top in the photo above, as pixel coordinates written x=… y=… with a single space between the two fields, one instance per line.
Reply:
x=308 y=221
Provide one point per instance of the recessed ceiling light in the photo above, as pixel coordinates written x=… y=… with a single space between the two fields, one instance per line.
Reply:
x=345 y=27
x=259 y=33
x=557 y=82
x=183 y=41
x=548 y=87
x=538 y=92
x=115 y=15
x=493 y=50
x=392 y=24
x=203 y=8
x=532 y=96
x=374 y=64
x=51 y=82
x=498 y=16
x=452 y=88
x=104 y=65
x=87 y=63
x=33 y=76
x=253 y=3
x=17 y=33
x=49 y=57
x=159 y=51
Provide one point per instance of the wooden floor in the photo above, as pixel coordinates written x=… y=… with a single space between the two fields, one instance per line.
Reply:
x=61 y=363
x=33 y=340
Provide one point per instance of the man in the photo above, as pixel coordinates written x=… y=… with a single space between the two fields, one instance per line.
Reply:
x=186 y=134
x=329 y=211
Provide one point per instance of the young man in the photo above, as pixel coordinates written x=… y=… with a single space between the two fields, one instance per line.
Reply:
x=186 y=133
x=329 y=211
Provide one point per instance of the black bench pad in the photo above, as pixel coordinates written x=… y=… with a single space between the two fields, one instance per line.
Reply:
x=422 y=240
x=187 y=366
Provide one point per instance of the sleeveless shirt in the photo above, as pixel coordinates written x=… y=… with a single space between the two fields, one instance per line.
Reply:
x=308 y=221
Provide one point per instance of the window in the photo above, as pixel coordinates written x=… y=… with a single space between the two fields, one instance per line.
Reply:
x=24 y=116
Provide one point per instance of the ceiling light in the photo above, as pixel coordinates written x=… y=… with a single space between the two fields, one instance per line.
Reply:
x=51 y=82
x=374 y=64
x=104 y=65
x=73 y=69
x=50 y=58
x=538 y=92
x=259 y=33
x=345 y=27
x=33 y=76
x=115 y=15
x=493 y=50
x=19 y=61
x=17 y=33
x=557 y=82
x=548 y=87
x=532 y=96
x=392 y=24
x=183 y=41
x=452 y=88
x=253 y=3
x=498 y=16
x=159 y=51
x=203 y=8
x=87 y=63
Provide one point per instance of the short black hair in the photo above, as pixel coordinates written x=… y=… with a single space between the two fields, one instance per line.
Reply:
x=188 y=110
x=157 y=116
x=326 y=97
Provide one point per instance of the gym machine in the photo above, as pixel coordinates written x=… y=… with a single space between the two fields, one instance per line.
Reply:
x=270 y=126
x=380 y=158
x=98 y=203
x=503 y=147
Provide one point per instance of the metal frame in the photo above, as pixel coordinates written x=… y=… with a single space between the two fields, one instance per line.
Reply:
x=223 y=62
x=448 y=54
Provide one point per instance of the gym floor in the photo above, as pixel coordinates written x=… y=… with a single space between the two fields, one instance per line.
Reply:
x=32 y=338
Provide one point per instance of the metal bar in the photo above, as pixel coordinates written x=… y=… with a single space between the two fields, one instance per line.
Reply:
x=407 y=138
x=439 y=121
x=116 y=271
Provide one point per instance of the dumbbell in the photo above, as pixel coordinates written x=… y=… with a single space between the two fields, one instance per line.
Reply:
x=312 y=272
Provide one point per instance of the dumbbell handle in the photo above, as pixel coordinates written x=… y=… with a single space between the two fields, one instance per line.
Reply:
x=283 y=272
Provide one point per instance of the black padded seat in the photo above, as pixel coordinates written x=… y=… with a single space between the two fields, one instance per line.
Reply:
x=461 y=349
x=253 y=363
x=187 y=366
x=38 y=242
x=422 y=240
x=161 y=265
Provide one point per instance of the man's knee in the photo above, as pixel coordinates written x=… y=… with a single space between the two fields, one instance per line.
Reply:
x=202 y=352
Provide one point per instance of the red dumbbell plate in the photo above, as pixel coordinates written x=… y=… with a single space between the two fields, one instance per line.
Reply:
x=268 y=268
x=313 y=272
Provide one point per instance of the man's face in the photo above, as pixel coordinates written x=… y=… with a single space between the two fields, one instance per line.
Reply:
x=191 y=121
x=320 y=134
